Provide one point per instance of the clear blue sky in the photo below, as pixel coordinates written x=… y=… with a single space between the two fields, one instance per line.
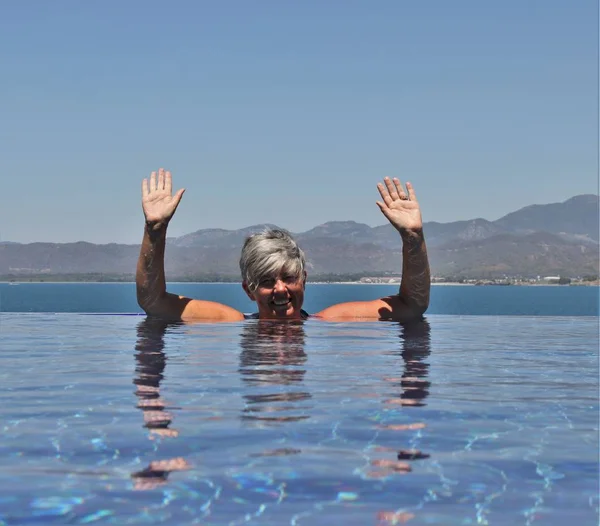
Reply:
x=290 y=112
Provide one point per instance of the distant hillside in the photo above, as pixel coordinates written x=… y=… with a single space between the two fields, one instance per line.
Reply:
x=550 y=239
x=538 y=253
x=217 y=237
x=577 y=216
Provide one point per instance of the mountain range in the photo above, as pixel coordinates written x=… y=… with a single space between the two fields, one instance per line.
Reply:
x=549 y=239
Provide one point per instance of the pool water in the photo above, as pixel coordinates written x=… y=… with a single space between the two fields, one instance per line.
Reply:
x=454 y=420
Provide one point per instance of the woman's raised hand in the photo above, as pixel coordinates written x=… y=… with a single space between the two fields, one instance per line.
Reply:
x=400 y=207
x=157 y=202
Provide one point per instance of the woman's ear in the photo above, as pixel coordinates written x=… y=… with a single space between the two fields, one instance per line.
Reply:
x=247 y=290
x=304 y=279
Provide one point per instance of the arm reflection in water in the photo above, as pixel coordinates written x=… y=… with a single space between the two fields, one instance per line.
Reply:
x=408 y=390
x=273 y=356
x=150 y=365
x=412 y=388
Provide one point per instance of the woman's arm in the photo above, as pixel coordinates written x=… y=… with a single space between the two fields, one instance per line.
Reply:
x=403 y=212
x=159 y=206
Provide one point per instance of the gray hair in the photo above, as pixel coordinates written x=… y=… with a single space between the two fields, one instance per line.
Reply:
x=269 y=252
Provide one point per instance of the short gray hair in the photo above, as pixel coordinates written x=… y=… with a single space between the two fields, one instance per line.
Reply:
x=267 y=253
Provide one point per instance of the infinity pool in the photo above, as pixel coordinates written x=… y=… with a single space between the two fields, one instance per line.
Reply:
x=456 y=420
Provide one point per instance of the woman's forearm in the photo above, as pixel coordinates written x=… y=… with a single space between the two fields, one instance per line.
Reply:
x=150 y=274
x=416 y=277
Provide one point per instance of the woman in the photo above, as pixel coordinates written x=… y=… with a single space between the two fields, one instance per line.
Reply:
x=273 y=266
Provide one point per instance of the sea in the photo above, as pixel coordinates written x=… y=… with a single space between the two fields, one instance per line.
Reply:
x=486 y=412
x=491 y=300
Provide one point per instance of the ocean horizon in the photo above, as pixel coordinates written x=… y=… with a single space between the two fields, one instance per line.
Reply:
x=453 y=299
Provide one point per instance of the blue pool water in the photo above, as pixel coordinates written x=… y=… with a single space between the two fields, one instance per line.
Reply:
x=458 y=420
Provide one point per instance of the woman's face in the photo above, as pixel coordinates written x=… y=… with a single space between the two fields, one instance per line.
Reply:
x=280 y=296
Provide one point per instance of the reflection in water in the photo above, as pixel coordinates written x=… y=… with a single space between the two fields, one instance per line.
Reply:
x=409 y=390
x=150 y=365
x=272 y=364
x=412 y=388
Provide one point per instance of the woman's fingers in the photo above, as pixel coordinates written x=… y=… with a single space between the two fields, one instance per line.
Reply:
x=161 y=179
x=168 y=183
x=384 y=195
x=391 y=188
x=400 y=189
x=178 y=197
x=395 y=191
x=411 y=192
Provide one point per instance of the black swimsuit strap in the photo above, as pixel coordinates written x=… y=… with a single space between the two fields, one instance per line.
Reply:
x=254 y=316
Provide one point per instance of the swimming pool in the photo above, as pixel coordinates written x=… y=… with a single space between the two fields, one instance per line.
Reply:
x=456 y=420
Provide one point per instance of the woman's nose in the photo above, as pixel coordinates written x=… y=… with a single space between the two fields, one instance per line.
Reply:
x=279 y=285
